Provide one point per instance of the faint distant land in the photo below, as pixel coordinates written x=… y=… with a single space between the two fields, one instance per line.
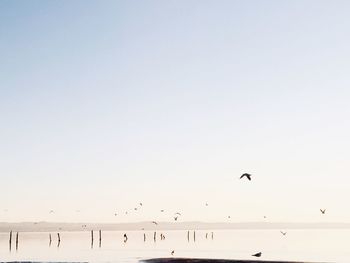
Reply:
x=49 y=227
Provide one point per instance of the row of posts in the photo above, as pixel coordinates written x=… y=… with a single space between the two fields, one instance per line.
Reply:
x=162 y=237
x=10 y=241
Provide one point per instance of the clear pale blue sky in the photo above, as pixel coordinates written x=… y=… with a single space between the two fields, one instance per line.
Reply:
x=107 y=103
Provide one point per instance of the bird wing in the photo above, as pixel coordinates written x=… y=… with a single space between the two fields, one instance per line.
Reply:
x=245 y=174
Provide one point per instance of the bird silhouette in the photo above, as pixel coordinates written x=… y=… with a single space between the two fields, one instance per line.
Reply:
x=283 y=233
x=258 y=255
x=175 y=218
x=172 y=253
x=323 y=211
x=246 y=175
x=141 y=204
x=51 y=212
x=177 y=213
x=162 y=210
x=154 y=222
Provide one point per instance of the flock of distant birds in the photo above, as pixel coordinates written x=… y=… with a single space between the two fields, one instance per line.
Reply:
x=176 y=216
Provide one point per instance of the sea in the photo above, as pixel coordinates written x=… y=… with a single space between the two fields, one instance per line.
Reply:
x=310 y=245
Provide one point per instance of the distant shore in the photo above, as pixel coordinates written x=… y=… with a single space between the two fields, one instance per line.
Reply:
x=147 y=226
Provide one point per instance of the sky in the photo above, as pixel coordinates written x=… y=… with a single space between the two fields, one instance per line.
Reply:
x=105 y=104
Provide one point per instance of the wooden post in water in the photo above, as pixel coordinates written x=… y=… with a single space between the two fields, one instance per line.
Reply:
x=100 y=238
x=144 y=237
x=92 y=238
x=58 y=239
x=188 y=235
x=16 y=241
x=155 y=236
x=10 y=240
x=212 y=235
x=50 y=240
x=194 y=236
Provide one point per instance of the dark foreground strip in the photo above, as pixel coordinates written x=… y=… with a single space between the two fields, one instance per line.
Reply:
x=200 y=260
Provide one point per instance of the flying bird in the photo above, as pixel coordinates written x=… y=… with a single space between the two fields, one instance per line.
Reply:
x=135 y=208
x=140 y=204
x=51 y=212
x=172 y=253
x=283 y=233
x=258 y=255
x=323 y=211
x=154 y=222
x=175 y=218
x=246 y=175
x=177 y=213
x=162 y=210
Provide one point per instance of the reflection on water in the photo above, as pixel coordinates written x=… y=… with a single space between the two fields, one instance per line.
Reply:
x=309 y=245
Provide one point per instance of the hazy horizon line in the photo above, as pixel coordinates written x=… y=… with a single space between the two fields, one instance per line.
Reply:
x=149 y=226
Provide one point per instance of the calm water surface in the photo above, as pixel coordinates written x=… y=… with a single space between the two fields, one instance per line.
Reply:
x=307 y=245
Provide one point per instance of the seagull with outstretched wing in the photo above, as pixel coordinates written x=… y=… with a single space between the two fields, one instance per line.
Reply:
x=246 y=175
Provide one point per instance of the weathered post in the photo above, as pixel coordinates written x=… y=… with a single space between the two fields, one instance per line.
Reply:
x=16 y=241
x=194 y=236
x=92 y=238
x=10 y=240
x=154 y=236
x=100 y=238
x=58 y=239
x=50 y=240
